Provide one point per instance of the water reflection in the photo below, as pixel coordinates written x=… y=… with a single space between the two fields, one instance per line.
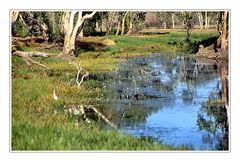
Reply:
x=161 y=97
x=213 y=118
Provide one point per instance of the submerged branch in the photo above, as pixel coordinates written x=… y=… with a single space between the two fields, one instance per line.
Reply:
x=100 y=115
x=83 y=111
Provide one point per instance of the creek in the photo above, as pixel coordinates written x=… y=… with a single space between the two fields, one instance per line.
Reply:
x=162 y=97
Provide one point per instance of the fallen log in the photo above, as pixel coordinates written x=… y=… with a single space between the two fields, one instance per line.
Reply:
x=26 y=56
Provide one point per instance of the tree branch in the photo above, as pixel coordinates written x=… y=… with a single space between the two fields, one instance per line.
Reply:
x=79 y=69
x=87 y=16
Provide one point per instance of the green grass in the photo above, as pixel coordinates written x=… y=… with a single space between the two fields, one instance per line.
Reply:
x=35 y=126
x=83 y=137
x=171 y=43
x=30 y=49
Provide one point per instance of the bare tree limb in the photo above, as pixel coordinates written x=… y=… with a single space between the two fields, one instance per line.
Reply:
x=79 y=69
x=85 y=75
x=87 y=16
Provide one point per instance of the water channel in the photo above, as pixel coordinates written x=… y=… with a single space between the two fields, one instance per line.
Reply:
x=163 y=97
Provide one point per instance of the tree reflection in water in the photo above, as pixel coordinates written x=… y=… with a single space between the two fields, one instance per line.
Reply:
x=213 y=119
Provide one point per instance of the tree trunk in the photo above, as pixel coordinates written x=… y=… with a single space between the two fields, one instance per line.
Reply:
x=109 y=22
x=200 y=20
x=69 y=38
x=130 y=29
x=52 y=21
x=97 y=27
x=52 y=25
x=14 y=16
x=123 y=22
x=118 y=27
x=165 y=25
x=224 y=79
x=173 y=20
x=206 y=20
x=219 y=22
x=70 y=31
x=107 y=25
x=224 y=41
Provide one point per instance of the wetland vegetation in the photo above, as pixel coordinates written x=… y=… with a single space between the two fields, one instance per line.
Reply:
x=141 y=89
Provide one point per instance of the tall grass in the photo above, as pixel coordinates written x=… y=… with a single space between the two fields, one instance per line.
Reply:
x=83 y=137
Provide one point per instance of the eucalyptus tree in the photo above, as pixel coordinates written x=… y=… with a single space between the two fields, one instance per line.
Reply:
x=124 y=16
x=188 y=23
x=200 y=19
x=173 y=20
x=70 y=30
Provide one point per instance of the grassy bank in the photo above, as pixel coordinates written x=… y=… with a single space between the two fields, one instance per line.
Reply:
x=36 y=126
x=82 y=137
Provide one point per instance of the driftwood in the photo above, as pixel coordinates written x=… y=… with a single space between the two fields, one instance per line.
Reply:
x=26 y=56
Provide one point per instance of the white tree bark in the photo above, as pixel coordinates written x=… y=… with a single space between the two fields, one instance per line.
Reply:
x=206 y=20
x=79 y=69
x=173 y=20
x=123 y=22
x=70 y=31
x=130 y=29
x=118 y=27
x=200 y=20
x=14 y=16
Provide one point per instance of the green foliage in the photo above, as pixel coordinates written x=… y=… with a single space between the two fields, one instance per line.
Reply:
x=55 y=29
x=188 y=22
x=20 y=30
x=46 y=50
x=89 y=27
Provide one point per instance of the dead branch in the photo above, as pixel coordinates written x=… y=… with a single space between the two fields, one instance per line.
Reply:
x=85 y=75
x=26 y=56
x=79 y=69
